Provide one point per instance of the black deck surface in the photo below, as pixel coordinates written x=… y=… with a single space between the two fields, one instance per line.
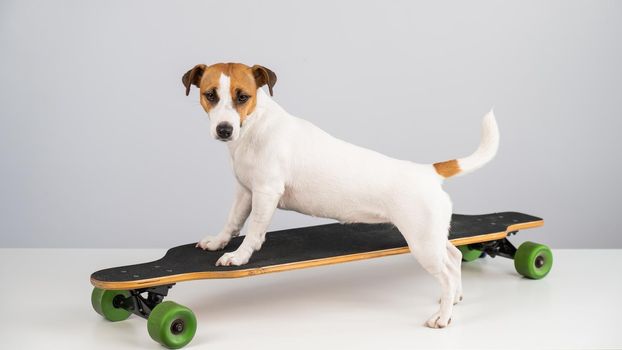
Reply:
x=302 y=244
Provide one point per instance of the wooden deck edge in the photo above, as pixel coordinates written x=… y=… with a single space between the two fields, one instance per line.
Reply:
x=150 y=282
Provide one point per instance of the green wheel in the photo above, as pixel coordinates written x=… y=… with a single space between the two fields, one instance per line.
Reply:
x=104 y=302
x=469 y=254
x=533 y=260
x=171 y=325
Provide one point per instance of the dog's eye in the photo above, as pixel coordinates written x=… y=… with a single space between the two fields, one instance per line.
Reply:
x=210 y=95
x=243 y=98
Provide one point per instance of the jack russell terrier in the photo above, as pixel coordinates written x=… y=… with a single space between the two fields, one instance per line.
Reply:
x=281 y=161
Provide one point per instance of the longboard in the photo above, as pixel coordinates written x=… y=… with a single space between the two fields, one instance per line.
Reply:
x=120 y=291
x=303 y=247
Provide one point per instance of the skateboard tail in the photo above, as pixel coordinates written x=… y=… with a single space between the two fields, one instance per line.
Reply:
x=488 y=146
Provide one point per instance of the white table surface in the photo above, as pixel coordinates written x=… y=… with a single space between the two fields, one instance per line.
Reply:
x=372 y=304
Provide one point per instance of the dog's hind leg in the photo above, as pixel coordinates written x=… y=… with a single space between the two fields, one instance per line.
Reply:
x=425 y=230
x=454 y=263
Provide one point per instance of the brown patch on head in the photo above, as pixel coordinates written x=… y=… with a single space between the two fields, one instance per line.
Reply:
x=243 y=89
x=209 y=83
x=244 y=82
x=448 y=168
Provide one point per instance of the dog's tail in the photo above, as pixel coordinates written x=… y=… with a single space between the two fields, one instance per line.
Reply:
x=488 y=145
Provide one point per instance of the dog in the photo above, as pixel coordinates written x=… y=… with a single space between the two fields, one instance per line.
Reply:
x=281 y=161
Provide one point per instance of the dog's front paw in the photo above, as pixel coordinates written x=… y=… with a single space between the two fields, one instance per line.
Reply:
x=438 y=321
x=235 y=258
x=212 y=243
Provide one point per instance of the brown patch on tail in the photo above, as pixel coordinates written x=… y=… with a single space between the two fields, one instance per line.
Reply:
x=448 y=168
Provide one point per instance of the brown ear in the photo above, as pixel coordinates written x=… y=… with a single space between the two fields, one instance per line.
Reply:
x=264 y=76
x=193 y=77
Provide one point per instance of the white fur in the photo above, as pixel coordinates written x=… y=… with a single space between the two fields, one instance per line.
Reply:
x=286 y=162
x=224 y=111
x=488 y=146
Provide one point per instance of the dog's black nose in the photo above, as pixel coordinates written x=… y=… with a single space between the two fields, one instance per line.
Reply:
x=224 y=130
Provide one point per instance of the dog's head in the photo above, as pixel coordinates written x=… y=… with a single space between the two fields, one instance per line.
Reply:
x=228 y=93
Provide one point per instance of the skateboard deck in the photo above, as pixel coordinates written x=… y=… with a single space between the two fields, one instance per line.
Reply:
x=307 y=247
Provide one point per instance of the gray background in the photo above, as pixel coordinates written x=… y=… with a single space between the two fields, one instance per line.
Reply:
x=99 y=147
